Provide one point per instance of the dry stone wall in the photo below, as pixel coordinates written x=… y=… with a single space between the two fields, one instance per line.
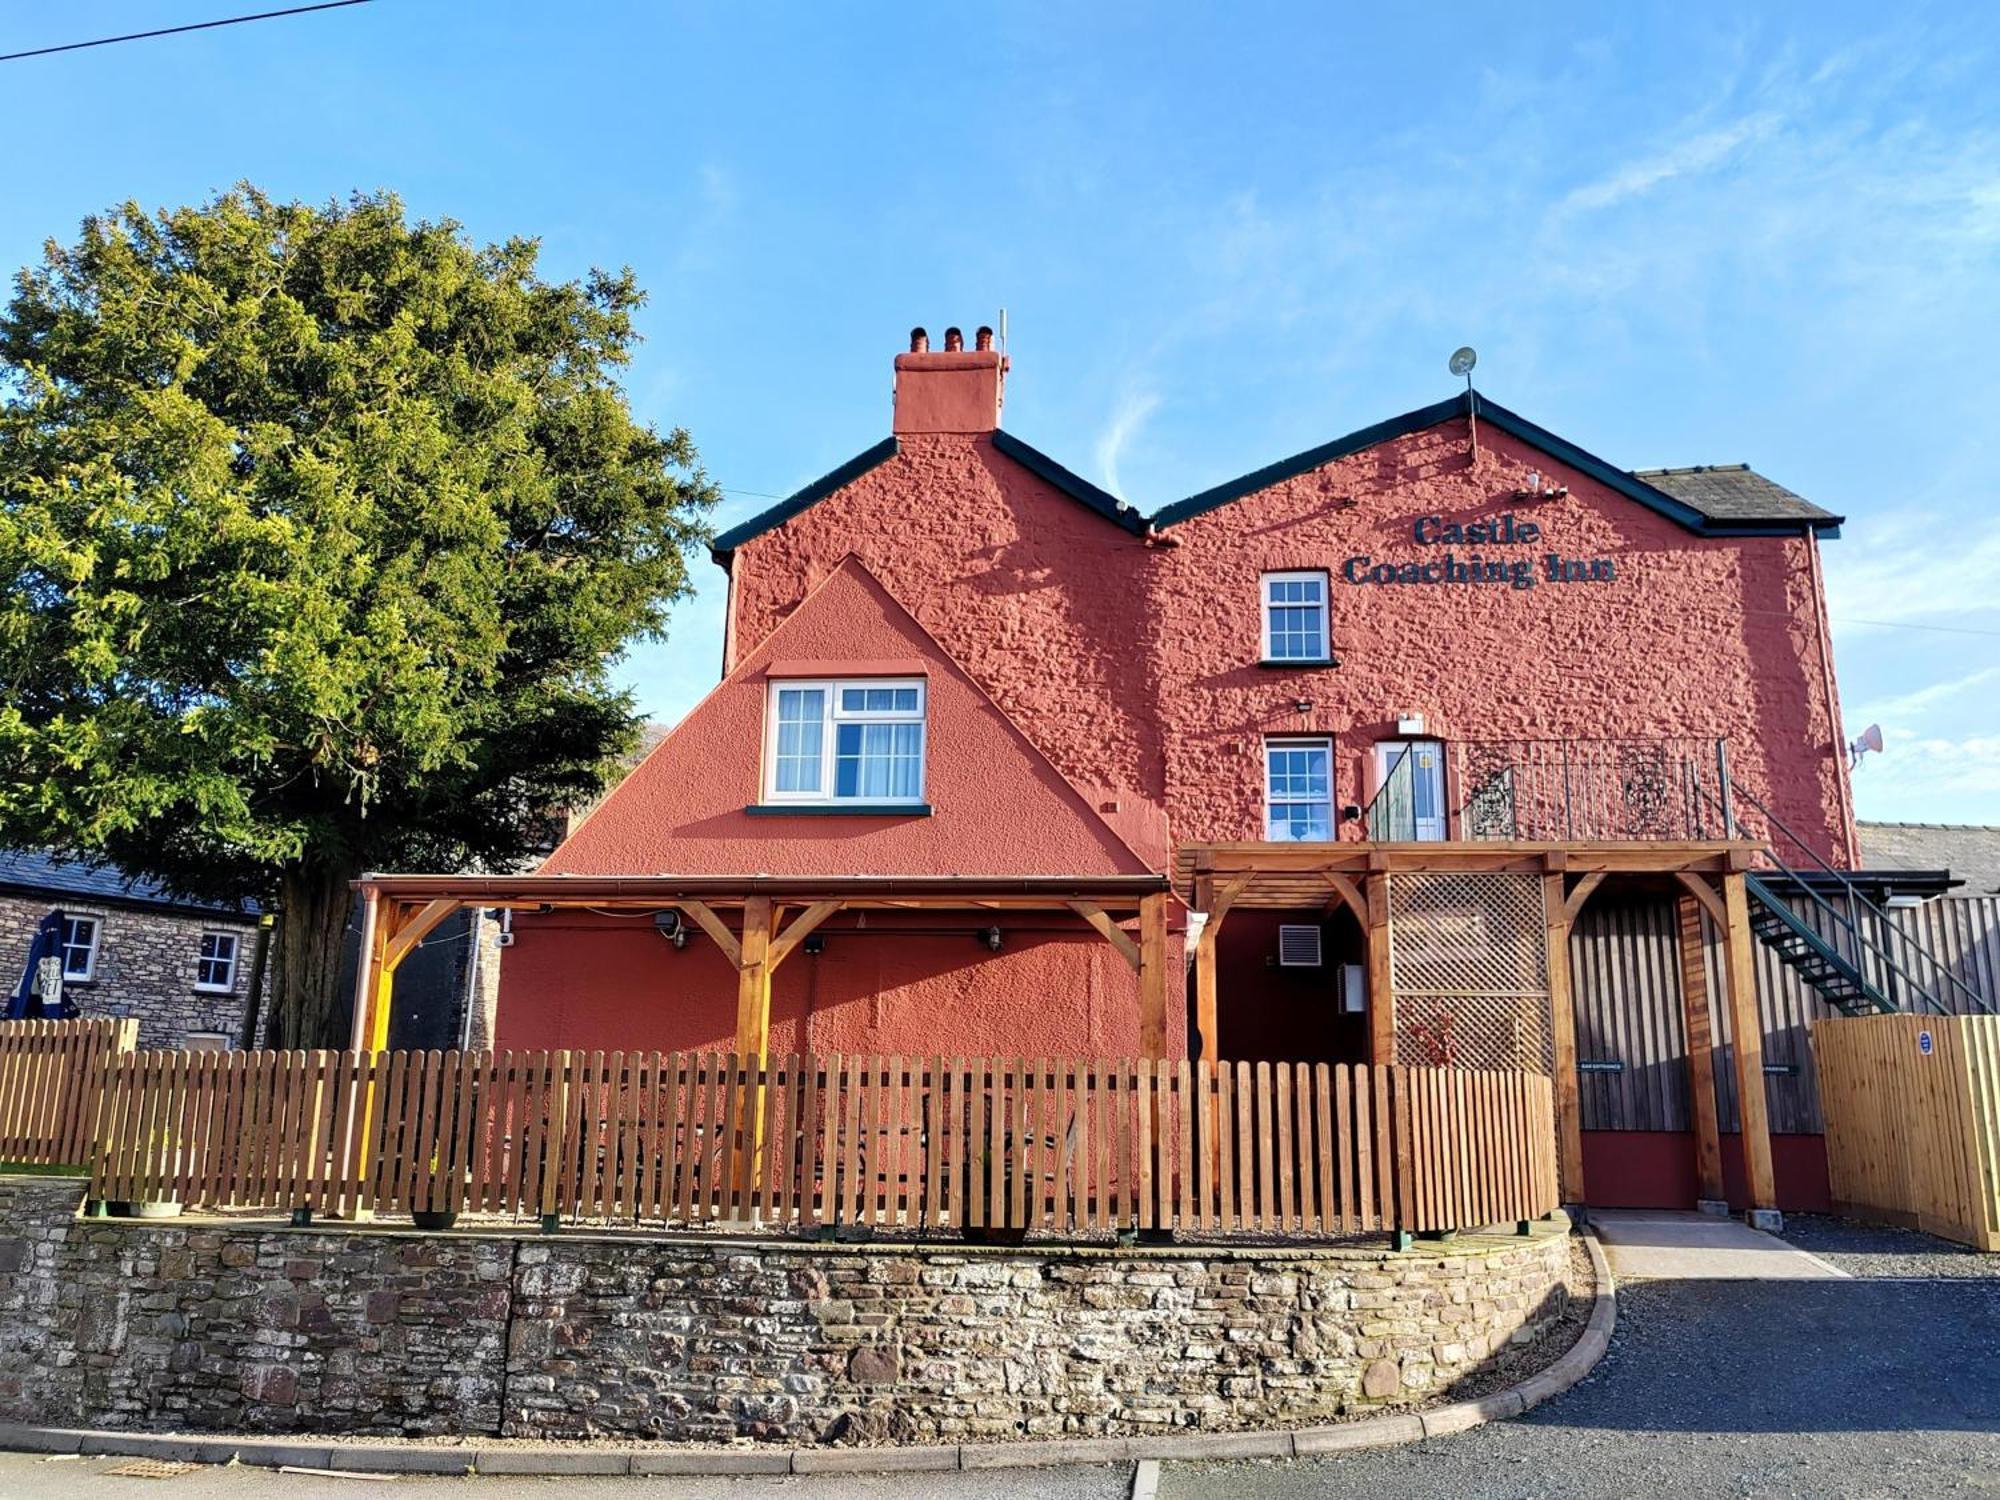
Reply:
x=202 y=1325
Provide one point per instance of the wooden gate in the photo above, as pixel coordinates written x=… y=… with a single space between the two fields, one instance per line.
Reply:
x=1912 y=1109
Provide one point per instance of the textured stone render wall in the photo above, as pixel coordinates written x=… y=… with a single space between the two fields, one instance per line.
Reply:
x=145 y=966
x=204 y=1325
x=1135 y=668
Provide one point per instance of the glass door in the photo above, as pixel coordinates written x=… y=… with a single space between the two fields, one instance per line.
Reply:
x=1410 y=804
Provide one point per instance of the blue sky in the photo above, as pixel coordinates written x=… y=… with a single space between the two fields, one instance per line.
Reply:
x=1676 y=234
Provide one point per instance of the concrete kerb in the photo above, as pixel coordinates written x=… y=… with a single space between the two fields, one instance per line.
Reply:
x=1388 y=1430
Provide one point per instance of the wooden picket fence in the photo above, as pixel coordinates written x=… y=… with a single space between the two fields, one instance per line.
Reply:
x=51 y=1079
x=1912 y=1107
x=925 y=1146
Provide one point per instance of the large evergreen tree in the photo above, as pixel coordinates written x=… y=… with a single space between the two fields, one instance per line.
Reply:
x=319 y=529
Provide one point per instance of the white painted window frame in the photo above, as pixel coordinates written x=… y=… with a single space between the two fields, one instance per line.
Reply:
x=1296 y=742
x=228 y=986
x=91 y=951
x=1267 y=604
x=836 y=715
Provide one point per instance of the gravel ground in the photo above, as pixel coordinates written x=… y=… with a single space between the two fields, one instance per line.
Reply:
x=1865 y=1250
x=1819 y=1389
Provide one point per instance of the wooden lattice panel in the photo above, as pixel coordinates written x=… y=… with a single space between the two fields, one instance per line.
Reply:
x=1469 y=959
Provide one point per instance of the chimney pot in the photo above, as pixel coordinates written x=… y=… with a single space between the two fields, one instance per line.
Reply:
x=983 y=340
x=954 y=390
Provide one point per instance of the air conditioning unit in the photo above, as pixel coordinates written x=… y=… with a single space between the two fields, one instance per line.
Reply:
x=1298 y=946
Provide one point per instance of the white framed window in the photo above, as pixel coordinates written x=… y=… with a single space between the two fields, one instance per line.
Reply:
x=215 y=962
x=1298 y=789
x=833 y=741
x=79 y=948
x=208 y=1041
x=1295 y=623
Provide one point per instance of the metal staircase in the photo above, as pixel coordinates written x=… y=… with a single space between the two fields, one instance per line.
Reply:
x=1823 y=927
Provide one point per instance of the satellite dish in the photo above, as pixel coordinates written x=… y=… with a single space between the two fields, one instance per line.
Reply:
x=1462 y=361
x=1871 y=739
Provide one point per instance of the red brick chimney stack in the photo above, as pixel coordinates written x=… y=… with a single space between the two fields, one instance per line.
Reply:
x=952 y=391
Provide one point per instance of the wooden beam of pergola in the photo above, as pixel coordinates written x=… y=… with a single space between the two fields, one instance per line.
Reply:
x=1216 y=901
x=1112 y=933
x=1580 y=893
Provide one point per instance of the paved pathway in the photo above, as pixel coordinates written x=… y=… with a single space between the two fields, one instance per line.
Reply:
x=1662 y=1246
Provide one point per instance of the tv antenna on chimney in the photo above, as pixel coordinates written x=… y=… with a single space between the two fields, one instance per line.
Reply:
x=1871 y=739
x=1463 y=358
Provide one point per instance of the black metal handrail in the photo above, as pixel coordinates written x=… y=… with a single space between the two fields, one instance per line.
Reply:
x=1856 y=898
x=1558 y=790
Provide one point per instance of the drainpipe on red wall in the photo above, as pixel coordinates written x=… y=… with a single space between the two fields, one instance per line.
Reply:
x=1849 y=839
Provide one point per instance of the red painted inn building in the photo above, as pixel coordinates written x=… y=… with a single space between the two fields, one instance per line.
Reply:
x=953 y=665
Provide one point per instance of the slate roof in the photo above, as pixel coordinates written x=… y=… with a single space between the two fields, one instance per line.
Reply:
x=1698 y=510
x=1709 y=499
x=1032 y=459
x=29 y=872
x=1736 y=492
x=1970 y=850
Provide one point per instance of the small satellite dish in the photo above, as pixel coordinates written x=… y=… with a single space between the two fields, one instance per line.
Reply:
x=1871 y=739
x=1462 y=360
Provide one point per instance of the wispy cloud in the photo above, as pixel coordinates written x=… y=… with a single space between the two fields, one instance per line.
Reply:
x=1690 y=157
x=1912 y=568
x=1130 y=415
x=1914 y=705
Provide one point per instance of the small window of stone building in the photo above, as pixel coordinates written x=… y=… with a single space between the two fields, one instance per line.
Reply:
x=215 y=967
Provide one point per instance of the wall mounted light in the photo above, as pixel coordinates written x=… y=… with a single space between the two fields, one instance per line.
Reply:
x=991 y=938
x=669 y=925
x=815 y=943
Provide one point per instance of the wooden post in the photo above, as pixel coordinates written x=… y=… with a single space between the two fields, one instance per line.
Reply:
x=753 y=1032
x=367 y=972
x=1381 y=982
x=1153 y=975
x=1562 y=1021
x=1204 y=972
x=1746 y=1028
x=1701 y=1053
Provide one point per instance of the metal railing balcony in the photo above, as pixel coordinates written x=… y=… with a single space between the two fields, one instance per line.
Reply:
x=1555 y=791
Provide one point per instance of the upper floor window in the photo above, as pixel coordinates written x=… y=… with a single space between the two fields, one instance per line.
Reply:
x=79 y=948
x=1298 y=789
x=1295 y=624
x=835 y=742
x=215 y=962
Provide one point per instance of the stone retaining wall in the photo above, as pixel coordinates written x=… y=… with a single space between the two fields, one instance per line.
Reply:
x=207 y=1325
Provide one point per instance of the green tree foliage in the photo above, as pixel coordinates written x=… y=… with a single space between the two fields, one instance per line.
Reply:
x=319 y=530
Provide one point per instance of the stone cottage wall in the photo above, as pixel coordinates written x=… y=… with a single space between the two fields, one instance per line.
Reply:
x=145 y=966
x=207 y=1325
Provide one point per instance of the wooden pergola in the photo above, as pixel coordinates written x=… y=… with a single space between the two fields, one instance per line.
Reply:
x=773 y=915
x=1707 y=875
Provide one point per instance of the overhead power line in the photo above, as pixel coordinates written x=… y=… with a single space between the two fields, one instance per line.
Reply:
x=139 y=36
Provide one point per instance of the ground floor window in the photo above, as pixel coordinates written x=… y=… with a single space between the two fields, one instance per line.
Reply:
x=1298 y=789
x=215 y=965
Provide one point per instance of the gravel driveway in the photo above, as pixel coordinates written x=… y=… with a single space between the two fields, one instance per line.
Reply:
x=1886 y=1385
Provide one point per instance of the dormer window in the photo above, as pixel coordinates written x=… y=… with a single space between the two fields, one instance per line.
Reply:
x=834 y=743
x=1295 y=623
